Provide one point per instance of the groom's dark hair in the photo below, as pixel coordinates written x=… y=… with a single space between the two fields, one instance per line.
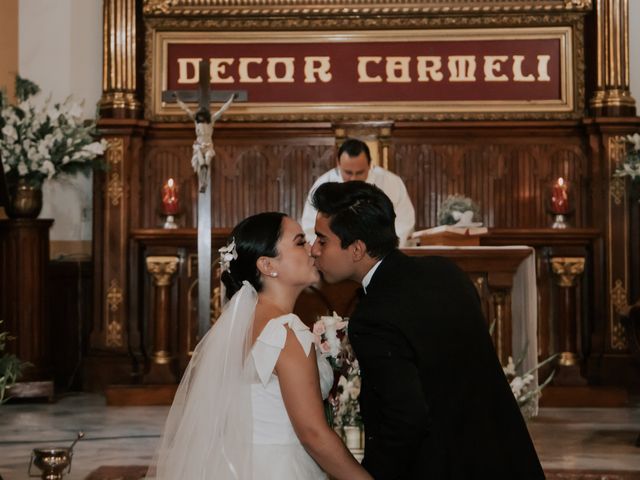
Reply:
x=358 y=211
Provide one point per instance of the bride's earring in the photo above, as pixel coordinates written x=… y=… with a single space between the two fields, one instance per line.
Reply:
x=274 y=274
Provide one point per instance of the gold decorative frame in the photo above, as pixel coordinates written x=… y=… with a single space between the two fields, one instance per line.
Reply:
x=160 y=34
x=361 y=7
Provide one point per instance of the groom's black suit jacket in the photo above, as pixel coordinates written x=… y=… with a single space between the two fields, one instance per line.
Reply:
x=435 y=402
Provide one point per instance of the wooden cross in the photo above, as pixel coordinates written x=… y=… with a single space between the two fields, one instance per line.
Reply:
x=203 y=155
x=205 y=94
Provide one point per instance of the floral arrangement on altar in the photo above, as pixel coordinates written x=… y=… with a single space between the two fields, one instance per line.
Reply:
x=630 y=165
x=343 y=407
x=459 y=210
x=10 y=366
x=39 y=143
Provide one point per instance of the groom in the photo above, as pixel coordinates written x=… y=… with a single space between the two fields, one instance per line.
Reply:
x=434 y=400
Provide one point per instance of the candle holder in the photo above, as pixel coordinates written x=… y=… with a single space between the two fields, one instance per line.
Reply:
x=170 y=222
x=559 y=202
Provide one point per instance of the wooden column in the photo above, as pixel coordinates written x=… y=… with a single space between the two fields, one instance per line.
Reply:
x=501 y=332
x=120 y=89
x=566 y=270
x=612 y=96
x=24 y=257
x=162 y=270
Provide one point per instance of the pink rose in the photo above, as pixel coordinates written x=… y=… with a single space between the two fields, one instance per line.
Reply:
x=324 y=347
x=318 y=327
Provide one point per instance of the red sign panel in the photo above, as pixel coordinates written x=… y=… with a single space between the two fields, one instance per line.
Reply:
x=360 y=72
x=520 y=69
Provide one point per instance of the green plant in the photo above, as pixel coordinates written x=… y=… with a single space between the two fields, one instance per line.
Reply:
x=10 y=366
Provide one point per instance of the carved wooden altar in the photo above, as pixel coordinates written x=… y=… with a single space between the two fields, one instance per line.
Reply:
x=268 y=161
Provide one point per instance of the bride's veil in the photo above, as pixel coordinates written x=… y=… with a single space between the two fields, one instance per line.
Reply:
x=209 y=430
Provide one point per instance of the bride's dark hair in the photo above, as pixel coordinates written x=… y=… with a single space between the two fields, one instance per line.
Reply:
x=254 y=237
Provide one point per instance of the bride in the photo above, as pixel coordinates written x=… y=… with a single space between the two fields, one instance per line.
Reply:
x=250 y=402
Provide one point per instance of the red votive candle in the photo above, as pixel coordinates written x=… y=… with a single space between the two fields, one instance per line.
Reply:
x=560 y=197
x=170 y=202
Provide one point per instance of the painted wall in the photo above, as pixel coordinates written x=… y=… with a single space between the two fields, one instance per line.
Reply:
x=8 y=44
x=60 y=49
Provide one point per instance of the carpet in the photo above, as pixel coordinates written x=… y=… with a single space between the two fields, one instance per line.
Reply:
x=136 y=472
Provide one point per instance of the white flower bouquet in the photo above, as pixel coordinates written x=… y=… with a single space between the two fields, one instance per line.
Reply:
x=38 y=143
x=343 y=407
x=460 y=211
x=522 y=386
x=630 y=165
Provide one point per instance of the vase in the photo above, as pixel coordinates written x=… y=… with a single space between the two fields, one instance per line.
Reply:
x=25 y=200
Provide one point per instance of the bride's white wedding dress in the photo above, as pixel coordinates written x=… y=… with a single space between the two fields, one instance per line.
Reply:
x=277 y=452
x=228 y=420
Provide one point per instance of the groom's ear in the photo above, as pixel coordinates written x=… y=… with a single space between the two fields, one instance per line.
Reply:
x=358 y=250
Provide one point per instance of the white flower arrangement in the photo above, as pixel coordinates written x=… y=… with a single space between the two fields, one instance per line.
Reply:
x=630 y=165
x=459 y=210
x=39 y=143
x=522 y=386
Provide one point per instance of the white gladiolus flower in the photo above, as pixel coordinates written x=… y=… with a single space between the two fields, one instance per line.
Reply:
x=96 y=148
x=10 y=133
x=632 y=171
x=76 y=110
x=48 y=168
x=635 y=139
x=510 y=369
x=42 y=139
x=517 y=384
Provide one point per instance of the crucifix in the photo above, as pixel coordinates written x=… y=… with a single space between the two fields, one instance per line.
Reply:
x=201 y=161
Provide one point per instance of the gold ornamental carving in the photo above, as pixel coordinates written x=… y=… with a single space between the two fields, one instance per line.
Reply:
x=162 y=269
x=114 y=334
x=114 y=296
x=619 y=296
x=115 y=155
x=119 y=61
x=619 y=302
x=619 y=337
x=616 y=147
x=567 y=269
x=360 y=7
x=115 y=189
x=618 y=190
x=156 y=6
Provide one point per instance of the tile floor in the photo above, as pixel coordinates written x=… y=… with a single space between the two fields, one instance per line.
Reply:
x=566 y=438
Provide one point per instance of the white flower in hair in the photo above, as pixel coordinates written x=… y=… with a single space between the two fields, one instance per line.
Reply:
x=227 y=254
